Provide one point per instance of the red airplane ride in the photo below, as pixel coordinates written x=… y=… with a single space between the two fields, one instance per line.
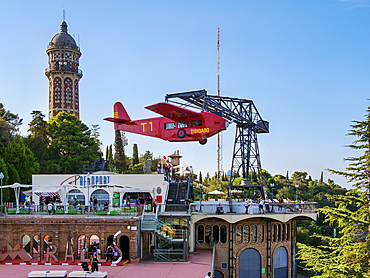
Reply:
x=177 y=124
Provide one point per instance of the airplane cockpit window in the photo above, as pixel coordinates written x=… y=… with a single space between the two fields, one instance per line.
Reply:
x=196 y=123
x=169 y=125
x=182 y=124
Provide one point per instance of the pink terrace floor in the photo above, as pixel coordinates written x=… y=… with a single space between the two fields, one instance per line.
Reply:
x=198 y=266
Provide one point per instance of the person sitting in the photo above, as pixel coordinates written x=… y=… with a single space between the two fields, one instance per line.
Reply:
x=219 y=209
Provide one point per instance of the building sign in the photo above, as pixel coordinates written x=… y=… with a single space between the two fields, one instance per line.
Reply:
x=92 y=181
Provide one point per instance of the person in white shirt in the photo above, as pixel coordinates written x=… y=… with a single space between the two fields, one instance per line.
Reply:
x=208 y=275
x=262 y=201
x=246 y=204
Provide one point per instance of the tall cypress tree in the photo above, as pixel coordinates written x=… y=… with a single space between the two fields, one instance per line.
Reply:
x=135 y=155
x=119 y=152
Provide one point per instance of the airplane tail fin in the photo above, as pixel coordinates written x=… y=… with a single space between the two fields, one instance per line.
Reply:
x=120 y=114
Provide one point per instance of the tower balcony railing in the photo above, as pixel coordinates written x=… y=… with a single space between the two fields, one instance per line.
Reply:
x=63 y=68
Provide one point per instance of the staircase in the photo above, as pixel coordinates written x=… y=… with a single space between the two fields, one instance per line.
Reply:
x=166 y=237
x=177 y=194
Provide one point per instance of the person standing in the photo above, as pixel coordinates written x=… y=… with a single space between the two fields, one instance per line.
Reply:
x=262 y=201
x=94 y=263
x=154 y=205
x=208 y=275
x=246 y=205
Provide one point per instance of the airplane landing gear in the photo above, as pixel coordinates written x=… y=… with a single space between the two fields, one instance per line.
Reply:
x=203 y=142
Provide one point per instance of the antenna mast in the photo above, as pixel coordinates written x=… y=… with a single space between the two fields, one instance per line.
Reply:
x=219 y=135
x=64 y=15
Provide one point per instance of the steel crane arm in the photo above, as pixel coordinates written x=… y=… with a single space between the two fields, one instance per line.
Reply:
x=241 y=111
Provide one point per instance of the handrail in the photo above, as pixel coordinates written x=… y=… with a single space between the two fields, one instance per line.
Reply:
x=213 y=260
x=254 y=208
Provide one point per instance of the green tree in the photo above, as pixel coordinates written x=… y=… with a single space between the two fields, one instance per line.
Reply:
x=71 y=144
x=38 y=139
x=12 y=119
x=13 y=178
x=119 y=152
x=18 y=154
x=135 y=155
x=348 y=255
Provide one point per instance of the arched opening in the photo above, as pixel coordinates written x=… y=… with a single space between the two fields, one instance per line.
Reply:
x=218 y=274
x=223 y=234
x=81 y=245
x=101 y=196
x=200 y=234
x=281 y=263
x=78 y=195
x=208 y=233
x=94 y=239
x=124 y=245
x=26 y=243
x=216 y=233
x=110 y=240
x=250 y=264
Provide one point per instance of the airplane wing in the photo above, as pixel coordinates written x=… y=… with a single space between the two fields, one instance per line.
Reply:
x=172 y=112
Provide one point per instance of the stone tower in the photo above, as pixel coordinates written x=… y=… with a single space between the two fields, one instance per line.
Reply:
x=63 y=73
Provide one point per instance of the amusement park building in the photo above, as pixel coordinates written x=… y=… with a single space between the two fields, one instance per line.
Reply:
x=244 y=245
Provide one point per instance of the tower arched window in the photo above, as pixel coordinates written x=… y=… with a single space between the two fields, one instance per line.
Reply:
x=57 y=94
x=68 y=95
x=68 y=66
x=57 y=65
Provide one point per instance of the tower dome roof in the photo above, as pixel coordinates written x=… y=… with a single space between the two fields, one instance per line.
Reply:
x=63 y=38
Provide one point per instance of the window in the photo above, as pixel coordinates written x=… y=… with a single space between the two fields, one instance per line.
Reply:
x=274 y=233
x=239 y=236
x=246 y=234
x=216 y=233
x=207 y=234
x=260 y=233
x=253 y=234
x=169 y=125
x=279 y=232
x=283 y=235
x=287 y=231
x=196 y=123
x=182 y=124
x=56 y=94
x=68 y=95
x=68 y=66
x=57 y=65
x=223 y=234
x=200 y=234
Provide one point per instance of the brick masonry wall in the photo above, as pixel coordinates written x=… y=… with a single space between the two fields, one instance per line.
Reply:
x=222 y=249
x=12 y=231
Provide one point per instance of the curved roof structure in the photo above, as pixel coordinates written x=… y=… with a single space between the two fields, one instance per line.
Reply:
x=63 y=38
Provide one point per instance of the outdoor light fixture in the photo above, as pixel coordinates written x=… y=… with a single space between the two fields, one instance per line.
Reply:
x=88 y=193
x=296 y=192
x=272 y=189
x=1 y=178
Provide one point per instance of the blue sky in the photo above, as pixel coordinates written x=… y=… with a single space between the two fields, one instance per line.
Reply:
x=305 y=64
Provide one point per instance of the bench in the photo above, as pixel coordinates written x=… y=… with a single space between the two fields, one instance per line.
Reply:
x=97 y=274
x=48 y=273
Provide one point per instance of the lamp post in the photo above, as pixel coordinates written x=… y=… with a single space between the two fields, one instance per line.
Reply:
x=1 y=178
x=272 y=189
x=296 y=192
x=88 y=193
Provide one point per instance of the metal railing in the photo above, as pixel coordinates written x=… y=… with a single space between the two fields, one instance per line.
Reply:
x=254 y=208
x=168 y=255
x=58 y=209
x=63 y=68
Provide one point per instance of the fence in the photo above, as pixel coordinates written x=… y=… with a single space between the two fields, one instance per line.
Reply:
x=254 y=208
